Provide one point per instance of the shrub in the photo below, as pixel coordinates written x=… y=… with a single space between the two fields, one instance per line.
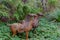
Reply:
x=18 y=9
x=52 y=2
x=54 y=15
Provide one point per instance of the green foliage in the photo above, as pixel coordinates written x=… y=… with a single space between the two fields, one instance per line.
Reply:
x=55 y=14
x=52 y=2
x=4 y=14
x=19 y=9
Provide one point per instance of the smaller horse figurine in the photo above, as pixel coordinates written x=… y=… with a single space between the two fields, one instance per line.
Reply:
x=25 y=26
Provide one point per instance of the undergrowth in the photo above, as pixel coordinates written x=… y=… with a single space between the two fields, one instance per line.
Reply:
x=45 y=31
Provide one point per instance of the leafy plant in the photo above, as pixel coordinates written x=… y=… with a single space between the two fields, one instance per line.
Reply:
x=18 y=9
x=52 y=2
x=54 y=15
